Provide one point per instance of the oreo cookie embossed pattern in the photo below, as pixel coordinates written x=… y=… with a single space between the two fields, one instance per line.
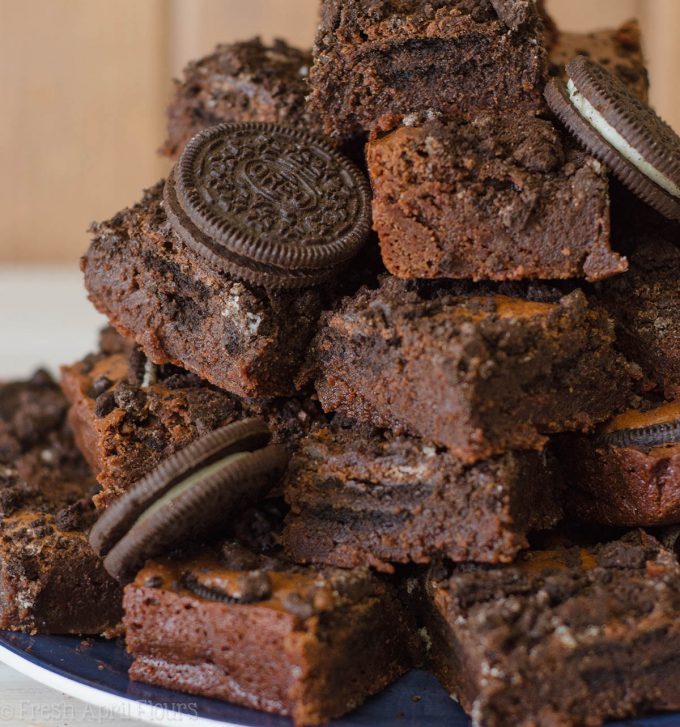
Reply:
x=272 y=205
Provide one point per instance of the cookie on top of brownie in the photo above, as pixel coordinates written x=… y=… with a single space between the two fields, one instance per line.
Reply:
x=128 y=414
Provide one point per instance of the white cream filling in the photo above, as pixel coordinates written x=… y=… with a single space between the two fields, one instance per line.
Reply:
x=612 y=137
x=186 y=485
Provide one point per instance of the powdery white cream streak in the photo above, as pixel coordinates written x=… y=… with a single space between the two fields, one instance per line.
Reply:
x=612 y=137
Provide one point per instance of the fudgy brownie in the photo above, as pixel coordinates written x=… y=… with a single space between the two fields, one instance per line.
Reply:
x=362 y=496
x=565 y=637
x=295 y=641
x=618 y=50
x=128 y=415
x=477 y=374
x=51 y=581
x=182 y=310
x=246 y=81
x=377 y=61
x=629 y=472
x=645 y=303
x=498 y=197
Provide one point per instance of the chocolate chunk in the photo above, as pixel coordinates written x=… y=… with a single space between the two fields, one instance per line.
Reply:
x=153 y=582
x=270 y=204
x=102 y=384
x=235 y=557
x=104 y=404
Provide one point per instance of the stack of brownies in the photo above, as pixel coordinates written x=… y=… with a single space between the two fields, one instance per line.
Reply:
x=478 y=407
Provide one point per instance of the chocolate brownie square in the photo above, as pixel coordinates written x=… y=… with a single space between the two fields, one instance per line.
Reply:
x=619 y=50
x=628 y=473
x=360 y=495
x=376 y=61
x=182 y=310
x=479 y=374
x=245 y=81
x=129 y=415
x=303 y=642
x=572 y=636
x=497 y=197
x=645 y=303
x=51 y=581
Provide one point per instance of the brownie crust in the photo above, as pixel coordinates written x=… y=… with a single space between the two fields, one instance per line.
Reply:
x=619 y=50
x=311 y=630
x=645 y=303
x=180 y=310
x=624 y=485
x=567 y=637
x=375 y=62
x=500 y=197
x=364 y=496
x=245 y=81
x=51 y=581
x=478 y=375
x=125 y=426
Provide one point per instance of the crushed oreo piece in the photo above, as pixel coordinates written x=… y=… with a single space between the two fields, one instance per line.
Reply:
x=298 y=605
x=250 y=588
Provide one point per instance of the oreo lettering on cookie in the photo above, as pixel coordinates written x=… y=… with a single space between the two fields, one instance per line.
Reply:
x=267 y=203
x=620 y=130
x=191 y=495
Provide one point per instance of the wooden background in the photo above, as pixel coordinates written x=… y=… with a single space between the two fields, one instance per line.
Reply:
x=83 y=84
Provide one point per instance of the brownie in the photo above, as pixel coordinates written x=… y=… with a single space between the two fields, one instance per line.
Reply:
x=245 y=81
x=308 y=643
x=498 y=197
x=479 y=374
x=614 y=480
x=619 y=50
x=377 y=61
x=50 y=579
x=360 y=496
x=126 y=425
x=645 y=303
x=182 y=310
x=572 y=636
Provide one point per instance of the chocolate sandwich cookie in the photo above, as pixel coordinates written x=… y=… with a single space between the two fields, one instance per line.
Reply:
x=272 y=205
x=192 y=494
x=620 y=130
x=628 y=474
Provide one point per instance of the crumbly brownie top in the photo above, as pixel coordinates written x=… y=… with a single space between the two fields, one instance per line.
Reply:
x=244 y=81
x=571 y=595
x=525 y=151
x=398 y=303
x=121 y=389
x=619 y=50
x=41 y=470
x=369 y=20
x=237 y=576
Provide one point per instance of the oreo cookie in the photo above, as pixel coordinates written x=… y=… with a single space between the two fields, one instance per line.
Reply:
x=270 y=204
x=648 y=437
x=620 y=130
x=191 y=495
